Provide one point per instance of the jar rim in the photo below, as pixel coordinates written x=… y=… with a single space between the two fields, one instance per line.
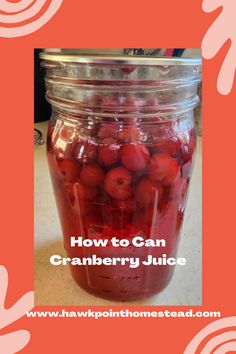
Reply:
x=118 y=59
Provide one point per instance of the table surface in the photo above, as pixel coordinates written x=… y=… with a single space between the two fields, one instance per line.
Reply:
x=55 y=286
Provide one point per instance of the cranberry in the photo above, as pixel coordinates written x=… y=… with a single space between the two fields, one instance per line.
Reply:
x=109 y=152
x=85 y=152
x=129 y=134
x=118 y=183
x=92 y=175
x=163 y=168
x=70 y=170
x=67 y=133
x=128 y=69
x=147 y=192
x=135 y=157
x=84 y=192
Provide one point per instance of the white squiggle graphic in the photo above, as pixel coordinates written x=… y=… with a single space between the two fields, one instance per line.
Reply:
x=223 y=29
x=14 y=341
x=220 y=340
x=226 y=348
x=217 y=340
x=7 y=6
x=26 y=14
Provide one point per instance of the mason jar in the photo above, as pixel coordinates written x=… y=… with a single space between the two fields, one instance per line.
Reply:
x=120 y=146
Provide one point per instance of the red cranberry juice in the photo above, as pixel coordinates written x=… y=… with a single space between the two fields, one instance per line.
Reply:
x=121 y=180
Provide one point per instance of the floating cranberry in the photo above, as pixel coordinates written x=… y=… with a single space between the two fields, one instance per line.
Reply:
x=109 y=152
x=128 y=69
x=148 y=192
x=92 y=175
x=118 y=183
x=85 y=152
x=163 y=168
x=135 y=157
x=70 y=170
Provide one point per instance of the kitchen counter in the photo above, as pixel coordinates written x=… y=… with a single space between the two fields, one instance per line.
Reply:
x=54 y=284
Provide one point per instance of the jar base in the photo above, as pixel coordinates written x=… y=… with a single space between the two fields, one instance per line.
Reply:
x=123 y=296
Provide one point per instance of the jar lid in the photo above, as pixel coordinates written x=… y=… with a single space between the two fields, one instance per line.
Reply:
x=118 y=59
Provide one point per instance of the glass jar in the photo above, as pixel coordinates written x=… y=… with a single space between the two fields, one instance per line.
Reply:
x=120 y=146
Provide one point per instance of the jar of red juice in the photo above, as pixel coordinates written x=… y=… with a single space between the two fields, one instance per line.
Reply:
x=120 y=147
